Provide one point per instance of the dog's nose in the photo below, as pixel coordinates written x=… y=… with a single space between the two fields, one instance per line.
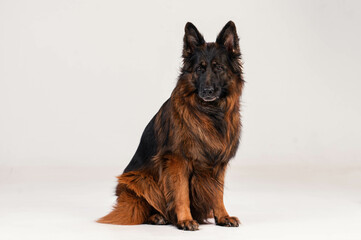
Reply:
x=208 y=91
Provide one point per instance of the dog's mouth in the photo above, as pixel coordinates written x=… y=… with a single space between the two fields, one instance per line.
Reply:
x=209 y=98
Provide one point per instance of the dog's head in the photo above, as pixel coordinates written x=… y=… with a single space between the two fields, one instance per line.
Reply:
x=212 y=68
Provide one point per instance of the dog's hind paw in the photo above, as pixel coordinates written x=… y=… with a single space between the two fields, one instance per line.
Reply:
x=157 y=219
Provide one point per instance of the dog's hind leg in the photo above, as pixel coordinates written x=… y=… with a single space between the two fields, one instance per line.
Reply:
x=137 y=195
x=157 y=219
x=143 y=185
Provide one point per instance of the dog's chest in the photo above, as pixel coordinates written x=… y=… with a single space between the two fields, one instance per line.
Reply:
x=212 y=143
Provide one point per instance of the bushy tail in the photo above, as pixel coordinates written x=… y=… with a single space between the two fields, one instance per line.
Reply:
x=129 y=209
x=137 y=193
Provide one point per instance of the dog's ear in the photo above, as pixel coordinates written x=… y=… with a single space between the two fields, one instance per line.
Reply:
x=192 y=39
x=228 y=37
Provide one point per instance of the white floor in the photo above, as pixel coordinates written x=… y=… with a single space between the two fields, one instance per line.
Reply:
x=273 y=202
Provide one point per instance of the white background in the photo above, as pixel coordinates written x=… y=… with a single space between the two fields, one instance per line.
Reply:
x=79 y=81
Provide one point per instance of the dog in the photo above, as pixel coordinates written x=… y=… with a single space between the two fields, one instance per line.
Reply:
x=177 y=173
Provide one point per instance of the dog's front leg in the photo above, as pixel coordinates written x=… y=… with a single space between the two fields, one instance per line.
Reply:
x=175 y=184
x=220 y=213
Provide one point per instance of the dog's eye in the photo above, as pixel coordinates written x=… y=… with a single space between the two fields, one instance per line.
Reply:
x=199 y=69
x=219 y=68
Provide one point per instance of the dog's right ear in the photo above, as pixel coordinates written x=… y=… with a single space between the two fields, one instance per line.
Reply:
x=192 y=39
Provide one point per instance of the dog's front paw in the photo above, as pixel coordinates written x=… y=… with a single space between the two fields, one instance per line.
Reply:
x=228 y=221
x=188 y=225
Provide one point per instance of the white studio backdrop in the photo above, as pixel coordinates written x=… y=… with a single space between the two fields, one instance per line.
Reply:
x=79 y=80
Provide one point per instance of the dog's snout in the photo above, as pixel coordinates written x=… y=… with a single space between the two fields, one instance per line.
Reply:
x=208 y=91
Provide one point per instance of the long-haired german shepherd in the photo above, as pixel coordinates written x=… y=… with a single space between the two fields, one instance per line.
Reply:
x=177 y=173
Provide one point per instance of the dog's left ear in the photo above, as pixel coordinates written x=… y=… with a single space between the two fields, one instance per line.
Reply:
x=228 y=37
